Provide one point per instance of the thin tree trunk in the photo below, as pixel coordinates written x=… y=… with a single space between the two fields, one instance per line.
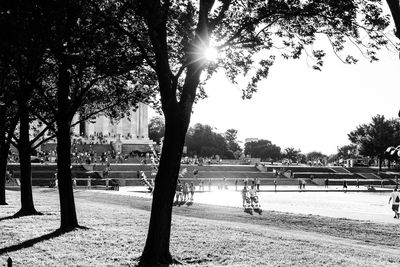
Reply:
x=67 y=203
x=27 y=206
x=3 y=156
x=156 y=250
x=3 y=168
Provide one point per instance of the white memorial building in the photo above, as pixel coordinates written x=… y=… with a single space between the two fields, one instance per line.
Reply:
x=128 y=134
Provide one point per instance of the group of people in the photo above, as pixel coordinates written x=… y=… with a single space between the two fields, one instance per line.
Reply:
x=250 y=199
x=183 y=190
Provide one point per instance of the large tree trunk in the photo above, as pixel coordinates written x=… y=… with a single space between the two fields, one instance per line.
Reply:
x=67 y=203
x=177 y=118
x=156 y=251
x=24 y=150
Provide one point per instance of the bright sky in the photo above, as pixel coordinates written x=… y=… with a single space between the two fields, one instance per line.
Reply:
x=303 y=108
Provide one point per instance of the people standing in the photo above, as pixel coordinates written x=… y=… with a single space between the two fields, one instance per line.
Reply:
x=244 y=194
x=358 y=183
x=209 y=184
x=236 y=183
x=344 y=185
x=178 y=194
x=191 y=189
x=246 y=181
x=326 y=183
x=185 y=191
x=258 y=182
x=395 y=197
x=275 y=184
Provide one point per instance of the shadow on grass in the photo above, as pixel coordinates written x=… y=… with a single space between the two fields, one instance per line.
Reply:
x=33 y=241
x=7 y=218
x=20 y=214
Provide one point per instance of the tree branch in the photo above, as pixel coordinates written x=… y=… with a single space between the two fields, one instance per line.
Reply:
x=43 y=141
x=49 y=125
x=221 y=15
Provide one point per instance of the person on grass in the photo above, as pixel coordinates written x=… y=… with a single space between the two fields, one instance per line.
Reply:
x=395 y=198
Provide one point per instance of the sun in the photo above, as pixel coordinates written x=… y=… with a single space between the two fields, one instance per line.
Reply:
x=211 y=54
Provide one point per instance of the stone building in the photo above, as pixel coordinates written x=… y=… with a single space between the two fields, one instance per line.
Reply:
x=127 y=135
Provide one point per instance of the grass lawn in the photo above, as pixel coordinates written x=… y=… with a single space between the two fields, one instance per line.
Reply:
x=201 y=235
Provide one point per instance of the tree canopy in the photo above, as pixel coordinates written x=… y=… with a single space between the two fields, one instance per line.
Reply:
x=375 y=137
x=263 y=149
x=156 y=129
x=203 y=141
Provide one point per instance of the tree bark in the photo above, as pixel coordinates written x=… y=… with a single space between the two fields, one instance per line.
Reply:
x=67 y=203
x=3 y=156
x=24 y=150
x=3 y=168
x=156 y=250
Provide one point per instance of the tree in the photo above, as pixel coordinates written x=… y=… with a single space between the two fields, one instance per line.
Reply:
x=374 y=138
x=316 y=156
x=79 y=64
x=233 y=145
x=263 y=149
x=291 y=153
x=8 y=122
x=23 y=54
x=347 y=151
x=202 y=141
x=156 y=129
x=172 y=36
x=92 y=73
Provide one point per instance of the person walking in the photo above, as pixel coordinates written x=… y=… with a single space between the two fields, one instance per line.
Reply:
x=345 y=185
x=358 y=183
x=275 y=184
x=395 y=198
x=236 y=183
x=326 y=182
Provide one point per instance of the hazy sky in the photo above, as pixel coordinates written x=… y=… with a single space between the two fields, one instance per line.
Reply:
x=303 y=108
